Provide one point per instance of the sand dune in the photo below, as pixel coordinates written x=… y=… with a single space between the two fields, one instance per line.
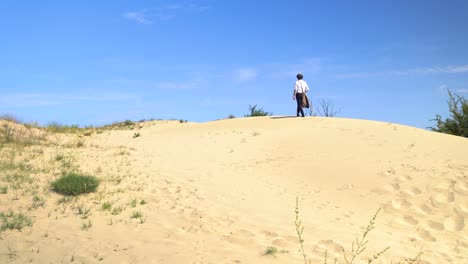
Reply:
x=225 y=191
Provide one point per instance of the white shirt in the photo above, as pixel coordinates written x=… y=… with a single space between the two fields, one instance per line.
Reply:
x=301 y=86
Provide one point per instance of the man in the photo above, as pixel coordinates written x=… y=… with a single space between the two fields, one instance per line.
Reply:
x=300 y=89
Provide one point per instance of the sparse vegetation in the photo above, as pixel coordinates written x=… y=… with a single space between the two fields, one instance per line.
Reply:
x=86 y=225
x=12 y=220
x=254 y=111
x=273 y=251
x=106 y=206
x=136 y=215
x=38 y=201
x=83 y=211
x=358 y=246
x=135 y=135
x=56 y=127
x=139 y=216
x=117 y=210
x=75 y=184
x=457 y=123
x=10 y=118
x=17 y=179
x=327 y=108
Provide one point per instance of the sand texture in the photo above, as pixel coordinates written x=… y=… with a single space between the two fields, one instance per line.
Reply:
x=225 y=191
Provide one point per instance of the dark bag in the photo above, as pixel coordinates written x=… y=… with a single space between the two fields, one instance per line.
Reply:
x=305 y=100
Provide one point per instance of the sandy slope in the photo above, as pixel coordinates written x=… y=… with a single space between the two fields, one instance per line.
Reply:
x=224 y=191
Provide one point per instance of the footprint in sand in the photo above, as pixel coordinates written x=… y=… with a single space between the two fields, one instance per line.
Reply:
x=404 y=178
x=245 y=233
x=442 y=199
x=461 y=187
x=411 y=192
x=423 y=209
x=426 y=235
x=401 y=204
x=455 y=222
x=435 y=225
x=462 y=207
x=332 y=246
x=444 y=185
x=281 y=243
x=387 y=188
x=410 y=220
x=405 y=221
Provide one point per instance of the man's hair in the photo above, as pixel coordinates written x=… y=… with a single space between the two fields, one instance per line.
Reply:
x=299 y=76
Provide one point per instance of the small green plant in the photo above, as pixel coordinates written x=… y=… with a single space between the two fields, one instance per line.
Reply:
x=139 y=216
x=83 y=211
x=73 y=183
x=273 y=251
x=3 y=189
x=106 y=206
x=116 y=210
x=38 y=201
x=86 y=226
x=65 y=200
x=134 y=203
x=136 y=215
x=135 y=135
x=143 y=202
x=12 y=220
x=254 y=111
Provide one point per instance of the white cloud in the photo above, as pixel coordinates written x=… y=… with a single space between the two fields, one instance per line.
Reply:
x=462 y=90
x=245 y=74
x=451 y=69
x=140 y=17
x=164 y=12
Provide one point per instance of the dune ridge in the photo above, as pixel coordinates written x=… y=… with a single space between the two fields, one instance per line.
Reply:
x=224 y=191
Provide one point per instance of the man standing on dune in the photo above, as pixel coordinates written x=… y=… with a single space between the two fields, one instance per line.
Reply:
x=300 y=90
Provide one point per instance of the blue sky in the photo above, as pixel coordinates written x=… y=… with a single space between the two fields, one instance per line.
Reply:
x=95 y=62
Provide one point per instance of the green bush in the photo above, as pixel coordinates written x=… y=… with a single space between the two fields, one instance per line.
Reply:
x=75 y=184
x=257 y=112
x=457 y=123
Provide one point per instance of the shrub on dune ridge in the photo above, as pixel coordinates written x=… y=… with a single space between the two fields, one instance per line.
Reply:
x=75 y=184
x=254 y=111
x=457 y=123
